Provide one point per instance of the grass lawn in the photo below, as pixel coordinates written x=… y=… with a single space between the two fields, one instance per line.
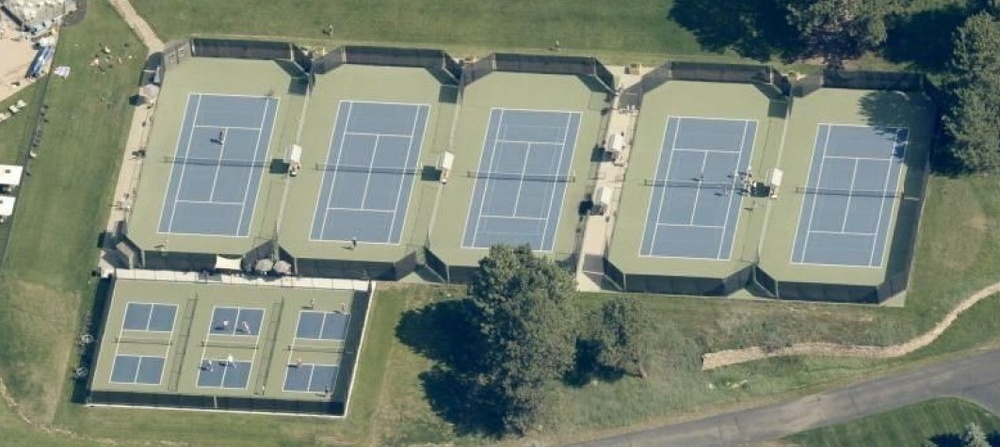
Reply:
x=629 y=31
x=45 y=285
x=941 y=421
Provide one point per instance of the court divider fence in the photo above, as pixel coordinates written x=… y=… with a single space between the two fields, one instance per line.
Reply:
x=543 y=64
x=439 y=63
x=328 y=62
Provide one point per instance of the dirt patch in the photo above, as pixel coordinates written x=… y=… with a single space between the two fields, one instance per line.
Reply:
x=17 y=54
x=729 y=357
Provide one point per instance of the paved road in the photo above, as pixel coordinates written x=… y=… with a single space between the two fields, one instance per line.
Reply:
x=976 y=378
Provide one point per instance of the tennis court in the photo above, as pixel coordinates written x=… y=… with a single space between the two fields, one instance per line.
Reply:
x=152 y=317
x=698 y=188
x=852 y=189
x=316 y=325
x=369 y=172
x=521 y=182
x=218 y=165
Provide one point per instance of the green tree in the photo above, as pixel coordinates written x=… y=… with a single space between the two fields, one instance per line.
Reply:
x=622 y=333
x=974 y=436
x=973 y=87
x=528 y=330
x=841 y=29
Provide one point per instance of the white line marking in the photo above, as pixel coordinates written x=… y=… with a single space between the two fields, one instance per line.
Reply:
x=367 y=210
x=697 y=191
x=368 y=175
x=267 y=144
x=486 y=185
x=881 y=209
x=714 y=227
x=420 y=145
x=180 y=179
x=554 y=186
x=479 y=165
x=733 y=193
x=206 y=126
x=715 y=151
x=520 y=183
x=663 y=190
x=819 y=183
x=503 y=216
x=333 y=178
x=845 y=233
x=847 y=211
x=383 y=135
x=218 y=165
x=402 y=180
x=844 y=157
x=209 y=202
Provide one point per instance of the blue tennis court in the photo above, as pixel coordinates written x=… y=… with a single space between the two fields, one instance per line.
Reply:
x=223 y=373
x=218 y=164
x=853 y=185
x=236 y=321
x=698 y=188
x=521 y=182
x=369 y=172
x=310 y=378
x=151 y=317
x=316 y=325
x=137 y=369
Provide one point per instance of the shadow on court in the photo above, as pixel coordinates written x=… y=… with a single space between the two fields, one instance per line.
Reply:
x=894 y=109
x=442 y=333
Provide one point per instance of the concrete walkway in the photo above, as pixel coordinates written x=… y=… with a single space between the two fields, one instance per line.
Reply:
x=974 y=378
x=590 y=269
x=138 y=24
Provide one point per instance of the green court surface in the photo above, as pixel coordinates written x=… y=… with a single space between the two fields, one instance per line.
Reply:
x=201 y=340
x=688 y=99
x=847 y=108
x=209 y=76
x=521 y=92
x=389 y=86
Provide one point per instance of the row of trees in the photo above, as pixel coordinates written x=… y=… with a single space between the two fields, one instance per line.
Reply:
x=526 y=333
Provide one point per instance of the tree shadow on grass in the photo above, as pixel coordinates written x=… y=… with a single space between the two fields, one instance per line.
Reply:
x=442 y=332
x=947 y=440
x=755 y=29
x=587 y=369
x=923 y=40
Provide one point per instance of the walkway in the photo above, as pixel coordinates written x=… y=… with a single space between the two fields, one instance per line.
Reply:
x=974 y=378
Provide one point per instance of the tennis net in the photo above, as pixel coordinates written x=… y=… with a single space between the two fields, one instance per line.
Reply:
x=522 y=176
x=366 y=169
x=688 y=184
x=214 y=162
x=847 y=192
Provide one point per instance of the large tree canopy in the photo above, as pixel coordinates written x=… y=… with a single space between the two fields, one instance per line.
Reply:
x=972 y=119
x=841 y=29
x=621 y=334
x=528 y=332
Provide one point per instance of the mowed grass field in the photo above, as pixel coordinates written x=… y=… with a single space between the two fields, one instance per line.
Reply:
x=634 y=29
x=939 y=421
x=46 y=291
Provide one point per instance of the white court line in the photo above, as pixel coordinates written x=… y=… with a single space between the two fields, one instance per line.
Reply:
x=697 y=191
x=232 y=95
x=844 y=157
x=420 y=146
x=706 y=118
x=402 y=180
x=180 y=179
x=551 y=143
x=333 y=178
x=900 y=182
x=881 y=206
x=371 y=210
x=479 y=165
x=847 y=211
x=218 y=165
x=368 y=175
x=746 y=168
x=670 y=161
x=714 y=227
x=209 y=202
x=733 y=194
x=819 y=182
x=520 y=183
x=390 y=135
x=486 y=185
x=508 y=109
x=559 y=167
x=201 y=126
x=845 y=233
x=502 y=216
x=714 y=151
x=256 y=149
